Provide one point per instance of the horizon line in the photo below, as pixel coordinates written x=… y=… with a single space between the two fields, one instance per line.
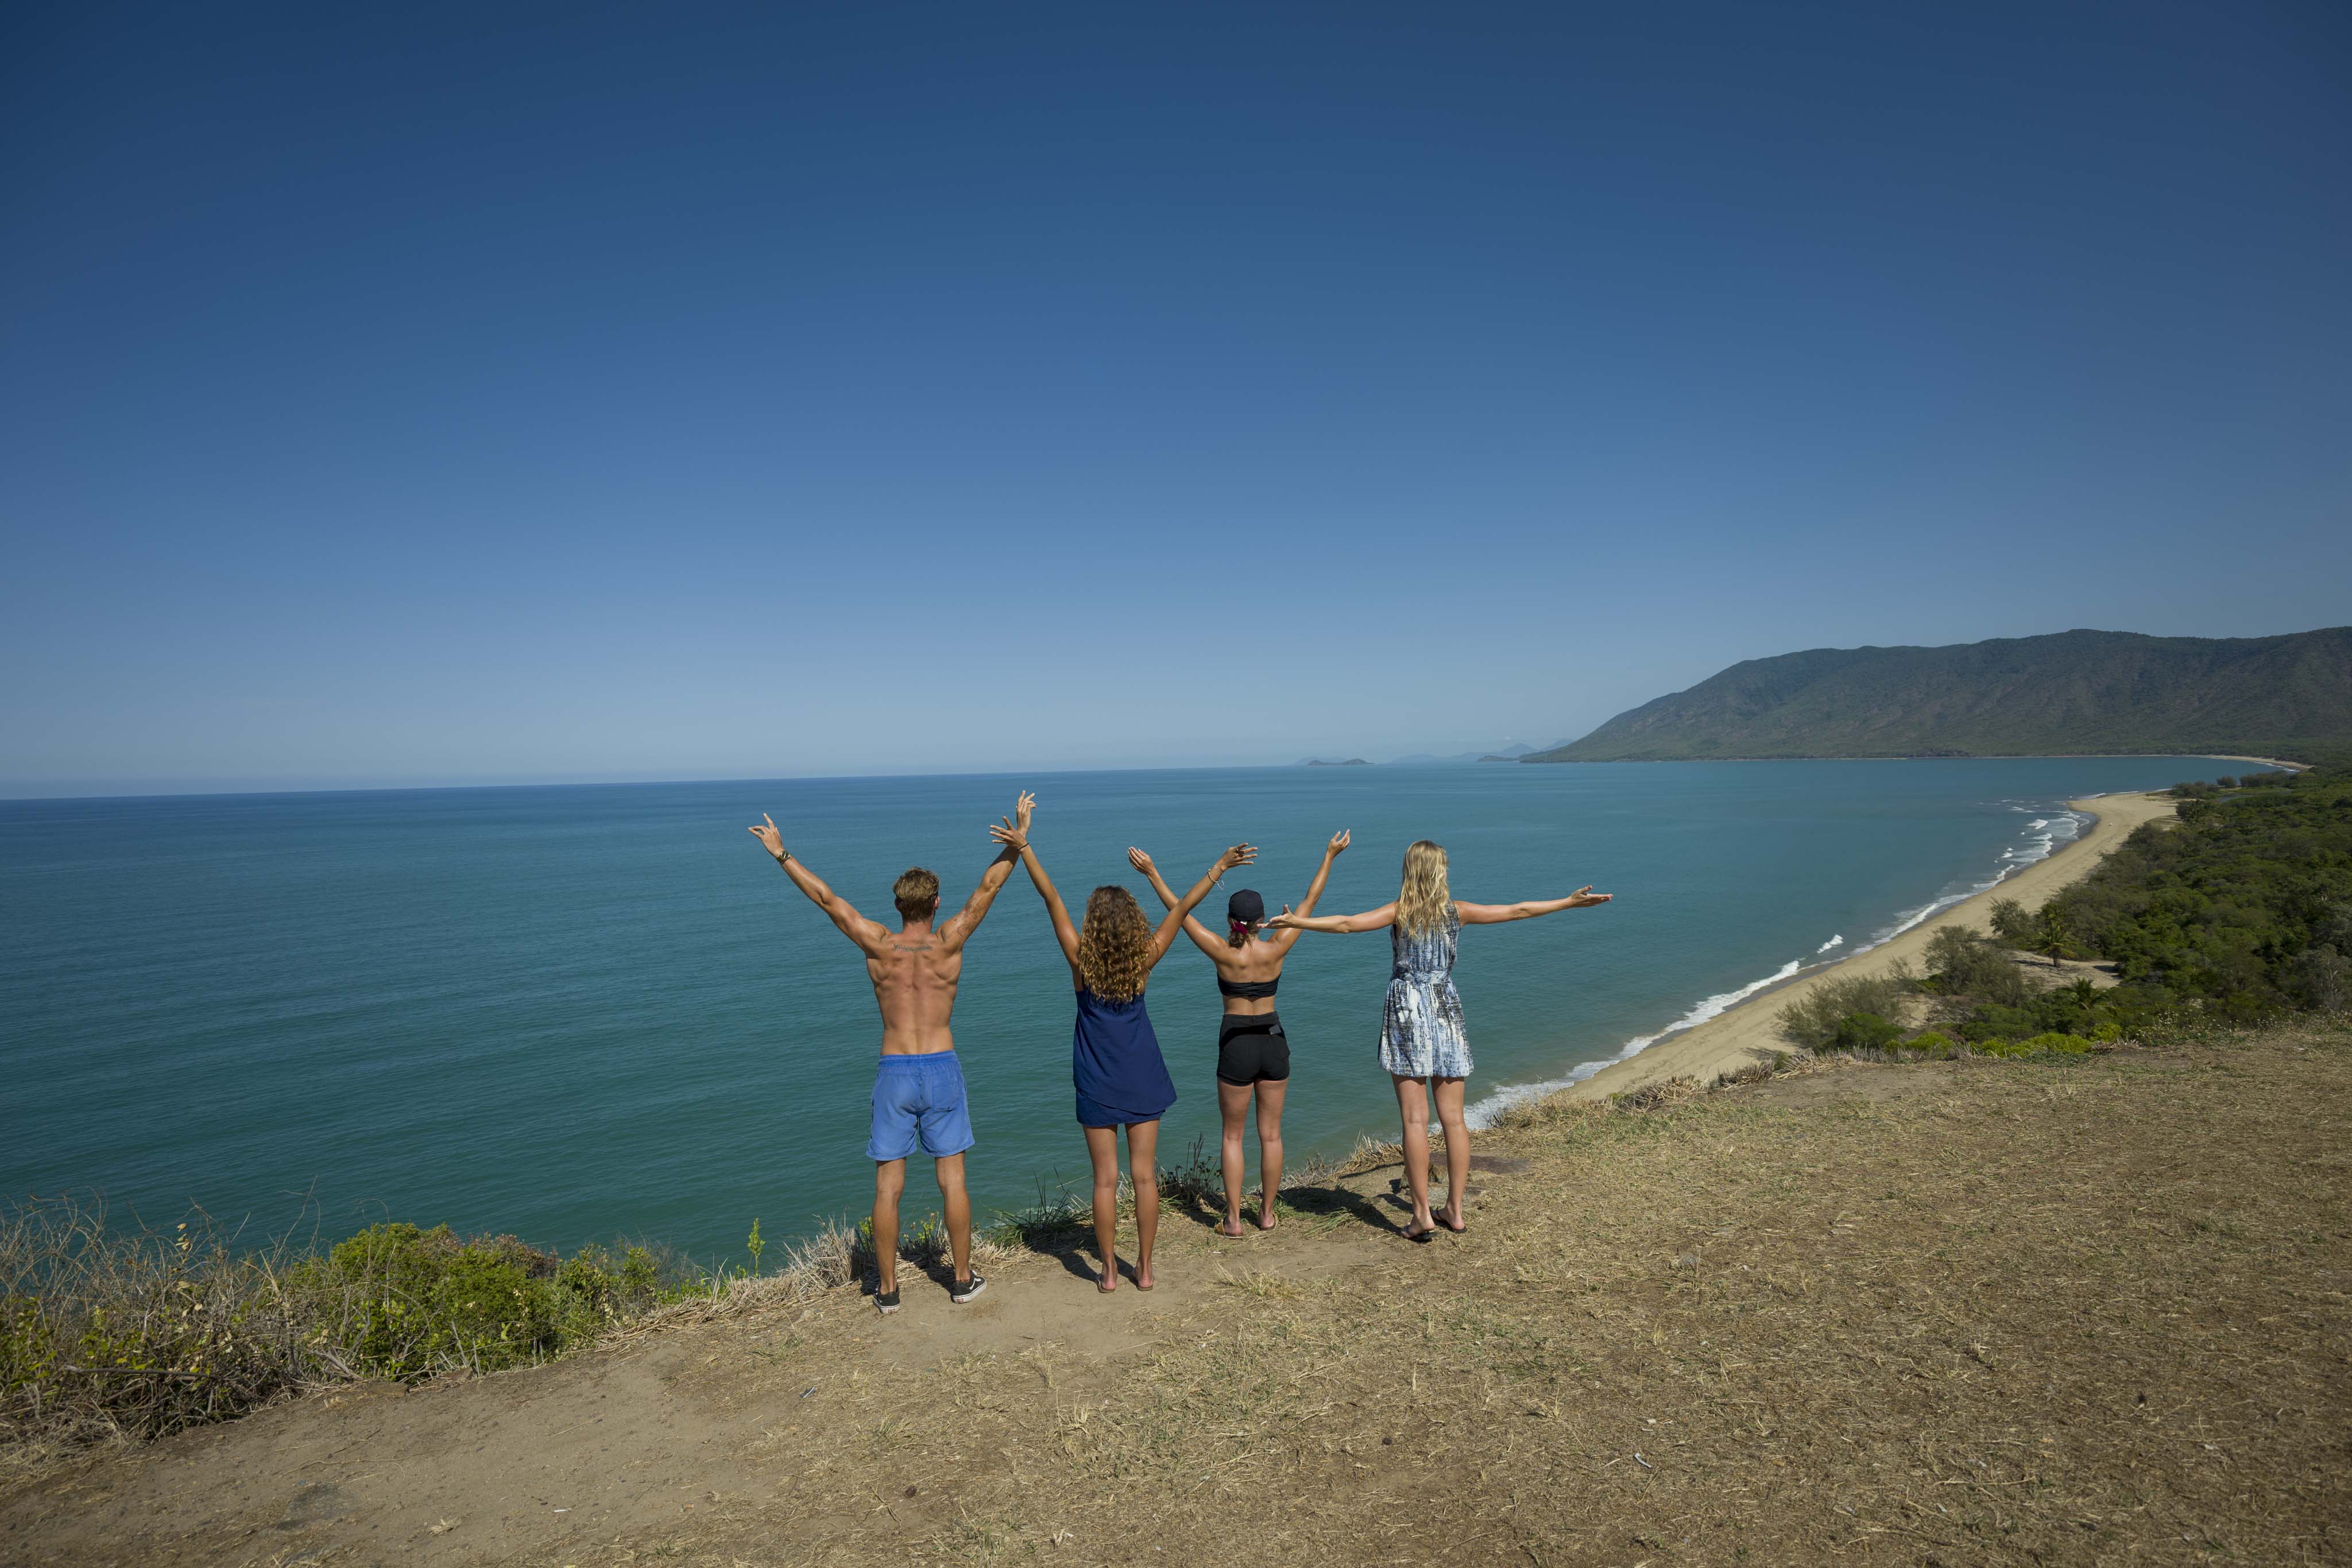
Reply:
x=7 y=799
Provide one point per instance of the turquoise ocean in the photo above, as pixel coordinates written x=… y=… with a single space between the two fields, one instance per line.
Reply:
x=587 y=1013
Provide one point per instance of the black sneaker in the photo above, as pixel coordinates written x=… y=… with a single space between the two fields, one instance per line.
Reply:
x=886 y=1302
x=965 y=1289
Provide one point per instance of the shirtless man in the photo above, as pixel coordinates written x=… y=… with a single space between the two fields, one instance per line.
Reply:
x=918 y=1097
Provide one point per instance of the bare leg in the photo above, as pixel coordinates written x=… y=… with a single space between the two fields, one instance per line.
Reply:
x=889 y=1180
x=1102 y=1148
x=1143 y=1167
x=948 y=1168
x=1270 y=1091
x=1457 y=1149
x=1413 y=1110
x=1233 y=1101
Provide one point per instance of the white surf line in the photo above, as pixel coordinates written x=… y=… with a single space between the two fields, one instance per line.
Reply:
x=2045 y=835
x=1482 y=1113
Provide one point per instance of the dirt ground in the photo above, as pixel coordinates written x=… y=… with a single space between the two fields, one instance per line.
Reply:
x=1950 y=1313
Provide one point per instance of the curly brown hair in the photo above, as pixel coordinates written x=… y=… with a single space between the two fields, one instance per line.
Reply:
x=1115 y=945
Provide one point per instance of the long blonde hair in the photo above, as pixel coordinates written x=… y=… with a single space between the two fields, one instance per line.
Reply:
x=1422 y=903
x=1115 y=945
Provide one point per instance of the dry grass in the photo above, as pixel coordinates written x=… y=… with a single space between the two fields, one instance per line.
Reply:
x=111 y=1331
x=2042 y=1313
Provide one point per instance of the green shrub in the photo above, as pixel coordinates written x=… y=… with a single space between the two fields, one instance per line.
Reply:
x=1931 y=1043
x=1814 y=1020
x=2010 y=921
x=2057 y=1044
x=411 y=1302
x=1962 y=964
x=28 y=1349
x=2051 y=1044
x=1997 y=1022
x=1863 y=1031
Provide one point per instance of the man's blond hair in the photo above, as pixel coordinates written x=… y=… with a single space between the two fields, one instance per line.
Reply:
x=917 y=895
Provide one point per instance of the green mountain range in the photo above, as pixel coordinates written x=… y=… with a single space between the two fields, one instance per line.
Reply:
x=2072 y=693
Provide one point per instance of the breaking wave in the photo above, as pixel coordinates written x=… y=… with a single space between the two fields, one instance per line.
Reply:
x=2038 y=841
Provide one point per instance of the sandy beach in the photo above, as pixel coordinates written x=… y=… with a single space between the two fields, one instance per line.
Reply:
x=1748 y=1033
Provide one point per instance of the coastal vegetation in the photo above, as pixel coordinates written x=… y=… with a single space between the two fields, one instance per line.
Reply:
x=112 y=1330
x=2069 y=694
x=2240 y=910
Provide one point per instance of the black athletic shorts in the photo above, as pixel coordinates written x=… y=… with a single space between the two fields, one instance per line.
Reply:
x=1251 y=1048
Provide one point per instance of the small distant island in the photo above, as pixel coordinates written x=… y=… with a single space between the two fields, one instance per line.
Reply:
x=2069 y=694
x=1324 y=762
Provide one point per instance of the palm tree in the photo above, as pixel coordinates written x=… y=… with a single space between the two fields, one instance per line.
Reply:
x=2050 y=936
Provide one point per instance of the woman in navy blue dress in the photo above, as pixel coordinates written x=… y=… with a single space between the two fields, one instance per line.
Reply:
x=1114 y=1057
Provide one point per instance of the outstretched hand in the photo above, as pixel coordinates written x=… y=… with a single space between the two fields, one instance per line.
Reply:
x=1285 y=921
x=1139 y=861
x=768 y=836
x=1339 y=842
x=1239 y=855
x=1014 y=830
x=1585 y=898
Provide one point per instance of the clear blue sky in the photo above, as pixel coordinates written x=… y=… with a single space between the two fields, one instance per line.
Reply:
x=505 y=392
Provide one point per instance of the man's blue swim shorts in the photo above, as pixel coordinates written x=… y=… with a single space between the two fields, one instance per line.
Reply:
x=919 y=1101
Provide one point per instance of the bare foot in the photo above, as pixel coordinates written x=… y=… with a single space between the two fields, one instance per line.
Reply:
x=1143 y=1276
x=1231 y=1225
x=1265 y=1220
x=1107 y=1280
x=1450 y=1218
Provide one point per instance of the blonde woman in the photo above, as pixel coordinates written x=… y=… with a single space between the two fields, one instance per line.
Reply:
x=1422 y=1040
x=1115 y=1060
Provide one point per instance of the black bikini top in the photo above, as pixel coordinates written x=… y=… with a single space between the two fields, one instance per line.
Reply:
x=1255 y=990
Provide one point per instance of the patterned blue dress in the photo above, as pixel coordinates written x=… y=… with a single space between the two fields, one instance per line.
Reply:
x=1421 y=1032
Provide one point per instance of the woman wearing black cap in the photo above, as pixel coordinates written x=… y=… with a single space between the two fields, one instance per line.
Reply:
x=1253 y=1054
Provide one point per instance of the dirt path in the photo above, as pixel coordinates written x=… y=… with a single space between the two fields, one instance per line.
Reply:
x=1966 y=1311
x=1749 y=1032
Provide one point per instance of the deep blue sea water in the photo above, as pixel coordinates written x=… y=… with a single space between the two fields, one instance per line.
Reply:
x=587 y=1012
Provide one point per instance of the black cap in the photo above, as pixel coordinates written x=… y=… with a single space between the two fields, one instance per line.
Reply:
x=1246 y=907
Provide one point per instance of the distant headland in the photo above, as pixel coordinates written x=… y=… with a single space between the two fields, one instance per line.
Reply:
x=2069 y=694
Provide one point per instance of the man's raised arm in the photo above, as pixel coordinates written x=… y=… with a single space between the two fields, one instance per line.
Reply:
x=966 y=921
x=868 y=934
